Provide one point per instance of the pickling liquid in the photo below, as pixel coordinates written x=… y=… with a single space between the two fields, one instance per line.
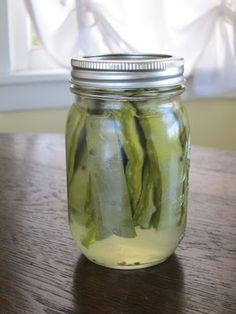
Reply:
x=148 y=248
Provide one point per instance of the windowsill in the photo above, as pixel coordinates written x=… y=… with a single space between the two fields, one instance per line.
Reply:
x=35 y=90
x=32 y=76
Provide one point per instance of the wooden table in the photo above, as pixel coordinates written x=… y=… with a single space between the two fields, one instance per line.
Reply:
x=42 y=271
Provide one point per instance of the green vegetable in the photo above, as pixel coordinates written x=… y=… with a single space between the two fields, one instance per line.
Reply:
x=186 y=162
x=78 y=192
x=90 y=224
x=164 y=152
x=145 y=207
x=181 y=118
x=74 y=125
x=130 y=141
x=108 y=183
x=127 y=167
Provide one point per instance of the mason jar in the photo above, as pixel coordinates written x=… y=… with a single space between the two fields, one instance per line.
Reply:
x=127 y=151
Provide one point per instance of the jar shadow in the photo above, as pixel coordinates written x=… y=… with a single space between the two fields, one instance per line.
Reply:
x=158 y=289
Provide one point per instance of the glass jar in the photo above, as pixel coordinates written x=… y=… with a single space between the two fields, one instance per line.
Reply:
x=127 y=149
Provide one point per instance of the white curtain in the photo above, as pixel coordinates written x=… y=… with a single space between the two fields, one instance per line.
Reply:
x=203 y=32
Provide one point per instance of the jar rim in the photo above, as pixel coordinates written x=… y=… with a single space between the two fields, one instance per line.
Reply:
x=128 y=71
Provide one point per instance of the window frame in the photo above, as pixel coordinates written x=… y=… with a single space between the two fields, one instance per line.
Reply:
x=23 y=86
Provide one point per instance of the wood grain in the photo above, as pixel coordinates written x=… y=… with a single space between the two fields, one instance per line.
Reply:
x=42 y=271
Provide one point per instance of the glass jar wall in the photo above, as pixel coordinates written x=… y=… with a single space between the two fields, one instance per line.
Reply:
x=127 y=174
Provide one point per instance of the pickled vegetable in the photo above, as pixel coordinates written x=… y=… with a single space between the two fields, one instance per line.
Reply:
x=165 y=154
x=133 y=149
x=75 y=123
x=108 y=181
x=127 y=178
x=146 y=208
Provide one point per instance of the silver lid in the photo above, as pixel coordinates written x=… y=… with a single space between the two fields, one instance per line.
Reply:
x=125 y=71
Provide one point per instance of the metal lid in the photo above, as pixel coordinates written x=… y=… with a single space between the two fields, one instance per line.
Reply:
x=126 y=71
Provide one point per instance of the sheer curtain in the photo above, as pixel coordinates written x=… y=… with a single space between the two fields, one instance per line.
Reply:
x=203 y=32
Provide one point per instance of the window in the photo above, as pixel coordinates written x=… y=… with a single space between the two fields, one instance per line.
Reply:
x=29 y=78
x=25 y=49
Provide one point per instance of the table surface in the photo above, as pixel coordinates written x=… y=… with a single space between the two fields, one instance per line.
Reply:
x=42 y=271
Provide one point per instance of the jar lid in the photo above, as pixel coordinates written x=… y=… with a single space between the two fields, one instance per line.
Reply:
x=126 y=71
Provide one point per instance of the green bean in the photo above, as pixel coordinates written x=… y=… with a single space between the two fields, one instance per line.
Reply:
x=145 y=208
x=81 y=202
x=184 y=139
x=178 y=114
x=186 y=160
x=78 y=192
x=130 y=141
x=109 y=189
x=153 y=157
x=75 y=123
x=164 y=152
x=184 y=202
x=109 y=195
x=90 y=236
